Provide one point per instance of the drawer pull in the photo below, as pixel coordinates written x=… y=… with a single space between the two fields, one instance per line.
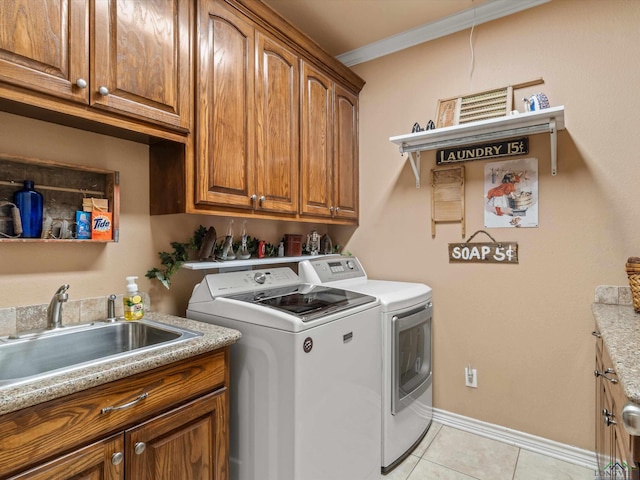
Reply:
x=126 y=405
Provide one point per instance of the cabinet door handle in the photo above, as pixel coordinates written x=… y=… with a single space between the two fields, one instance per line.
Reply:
x=116 y=458
x=104 y=91
x=602 y=374
x=254 y=199
x=126 y=405
x=81 y=83
x=337 y=210
x=139 y=447
x=331 y=209
x=262 y=199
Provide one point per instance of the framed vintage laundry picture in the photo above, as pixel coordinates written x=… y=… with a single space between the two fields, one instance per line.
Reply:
x=511 y=193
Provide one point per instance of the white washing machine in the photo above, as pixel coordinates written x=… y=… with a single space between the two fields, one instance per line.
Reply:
x=305 y=392
x=407 y=310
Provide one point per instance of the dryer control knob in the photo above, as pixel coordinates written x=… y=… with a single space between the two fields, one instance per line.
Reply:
x=260 y=278
x=350 y=265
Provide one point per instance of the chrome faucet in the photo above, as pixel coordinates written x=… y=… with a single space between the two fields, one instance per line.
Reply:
x=111 y=308
x=54 y=312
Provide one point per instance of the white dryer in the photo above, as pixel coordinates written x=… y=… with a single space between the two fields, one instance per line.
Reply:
x=407 y=310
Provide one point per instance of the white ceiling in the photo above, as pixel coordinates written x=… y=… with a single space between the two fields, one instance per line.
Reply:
x=360 y=30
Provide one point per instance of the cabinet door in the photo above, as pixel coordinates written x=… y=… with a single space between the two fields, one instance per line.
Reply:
x=44 y=46
x=277 y=104
x=140 y=62
x=345 y=156
x=188 y=443
x=225 y=165
x=316 y=164
x=99 y=461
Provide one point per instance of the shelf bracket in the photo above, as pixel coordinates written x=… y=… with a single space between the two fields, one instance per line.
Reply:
x=414 y=158
x=553 y=131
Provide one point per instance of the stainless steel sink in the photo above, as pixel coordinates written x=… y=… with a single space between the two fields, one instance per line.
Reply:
x=42 y=354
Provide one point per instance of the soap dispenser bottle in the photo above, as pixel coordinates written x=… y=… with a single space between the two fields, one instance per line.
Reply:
x=133 y=304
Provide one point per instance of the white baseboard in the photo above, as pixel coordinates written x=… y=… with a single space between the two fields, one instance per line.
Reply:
x=550 y=448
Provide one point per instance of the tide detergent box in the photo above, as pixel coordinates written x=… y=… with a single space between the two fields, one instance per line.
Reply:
x=101 y=225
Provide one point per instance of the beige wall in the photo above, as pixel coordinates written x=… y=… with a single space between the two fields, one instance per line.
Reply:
x=30 y=273
x=525 y=328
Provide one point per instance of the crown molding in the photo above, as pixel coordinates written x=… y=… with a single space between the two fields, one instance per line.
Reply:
x=486 y=12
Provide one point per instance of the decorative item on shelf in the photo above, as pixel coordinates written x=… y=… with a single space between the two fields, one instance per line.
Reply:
x=313 y=243
x=633 y=273
x=326 y=245
x=172 y=261
x=535 y=102
x=417 y=128
x=292 y=245
x=90 y=204
x=30 y=204
x=10 y=225
x=483 y=252
x=447 y=196
x=482 y=151
x=281 y=248
x=243 y=251
x=227 y=252
x=208 y=247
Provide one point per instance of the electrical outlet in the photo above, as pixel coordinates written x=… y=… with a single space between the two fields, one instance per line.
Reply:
x=471 y=377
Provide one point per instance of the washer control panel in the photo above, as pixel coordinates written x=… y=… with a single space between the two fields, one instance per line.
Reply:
x=230 y=283
x=324 y=270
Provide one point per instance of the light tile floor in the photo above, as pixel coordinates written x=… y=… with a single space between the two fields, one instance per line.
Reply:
x=447 y=453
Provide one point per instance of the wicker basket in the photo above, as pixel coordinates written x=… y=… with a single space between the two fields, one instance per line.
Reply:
x=633 y=272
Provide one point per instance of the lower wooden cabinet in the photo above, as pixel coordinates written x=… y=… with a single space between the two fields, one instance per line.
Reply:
x=188 y=443
x=613 y=443
x=179 y=430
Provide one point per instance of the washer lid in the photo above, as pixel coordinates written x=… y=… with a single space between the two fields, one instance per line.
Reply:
x=307 y=302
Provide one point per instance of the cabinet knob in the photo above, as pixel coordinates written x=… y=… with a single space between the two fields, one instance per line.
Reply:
x=104 y=91
x=116 y=458
x=631 y=418
x=262 y=199
x=81 y=83
x=139 y=447
x=331 y=209
x=337 y=209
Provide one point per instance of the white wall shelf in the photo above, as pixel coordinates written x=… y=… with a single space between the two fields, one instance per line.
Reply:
x=250 y=262
x=548 y=120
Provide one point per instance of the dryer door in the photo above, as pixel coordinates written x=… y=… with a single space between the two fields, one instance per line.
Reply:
x=410 y=356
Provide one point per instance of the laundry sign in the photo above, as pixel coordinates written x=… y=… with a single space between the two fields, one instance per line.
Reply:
x=483 y=151
x=483 y=252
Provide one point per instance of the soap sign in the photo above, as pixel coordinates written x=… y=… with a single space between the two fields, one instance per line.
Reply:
x=489 y=252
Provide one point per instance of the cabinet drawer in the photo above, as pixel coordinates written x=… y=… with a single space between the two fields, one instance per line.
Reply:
x=36 y=433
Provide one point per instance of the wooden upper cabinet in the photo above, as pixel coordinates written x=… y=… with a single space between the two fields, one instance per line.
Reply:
x=247 y=122
x=346 y=155
x=140 y=62
x=316 y=134
x=44 y=46
x=277 y=106
x=225 y=114
x=329 y=133
x=131 y=57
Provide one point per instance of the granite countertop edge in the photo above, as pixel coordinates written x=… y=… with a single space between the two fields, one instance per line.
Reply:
x=19 y=396
x=619 y=326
